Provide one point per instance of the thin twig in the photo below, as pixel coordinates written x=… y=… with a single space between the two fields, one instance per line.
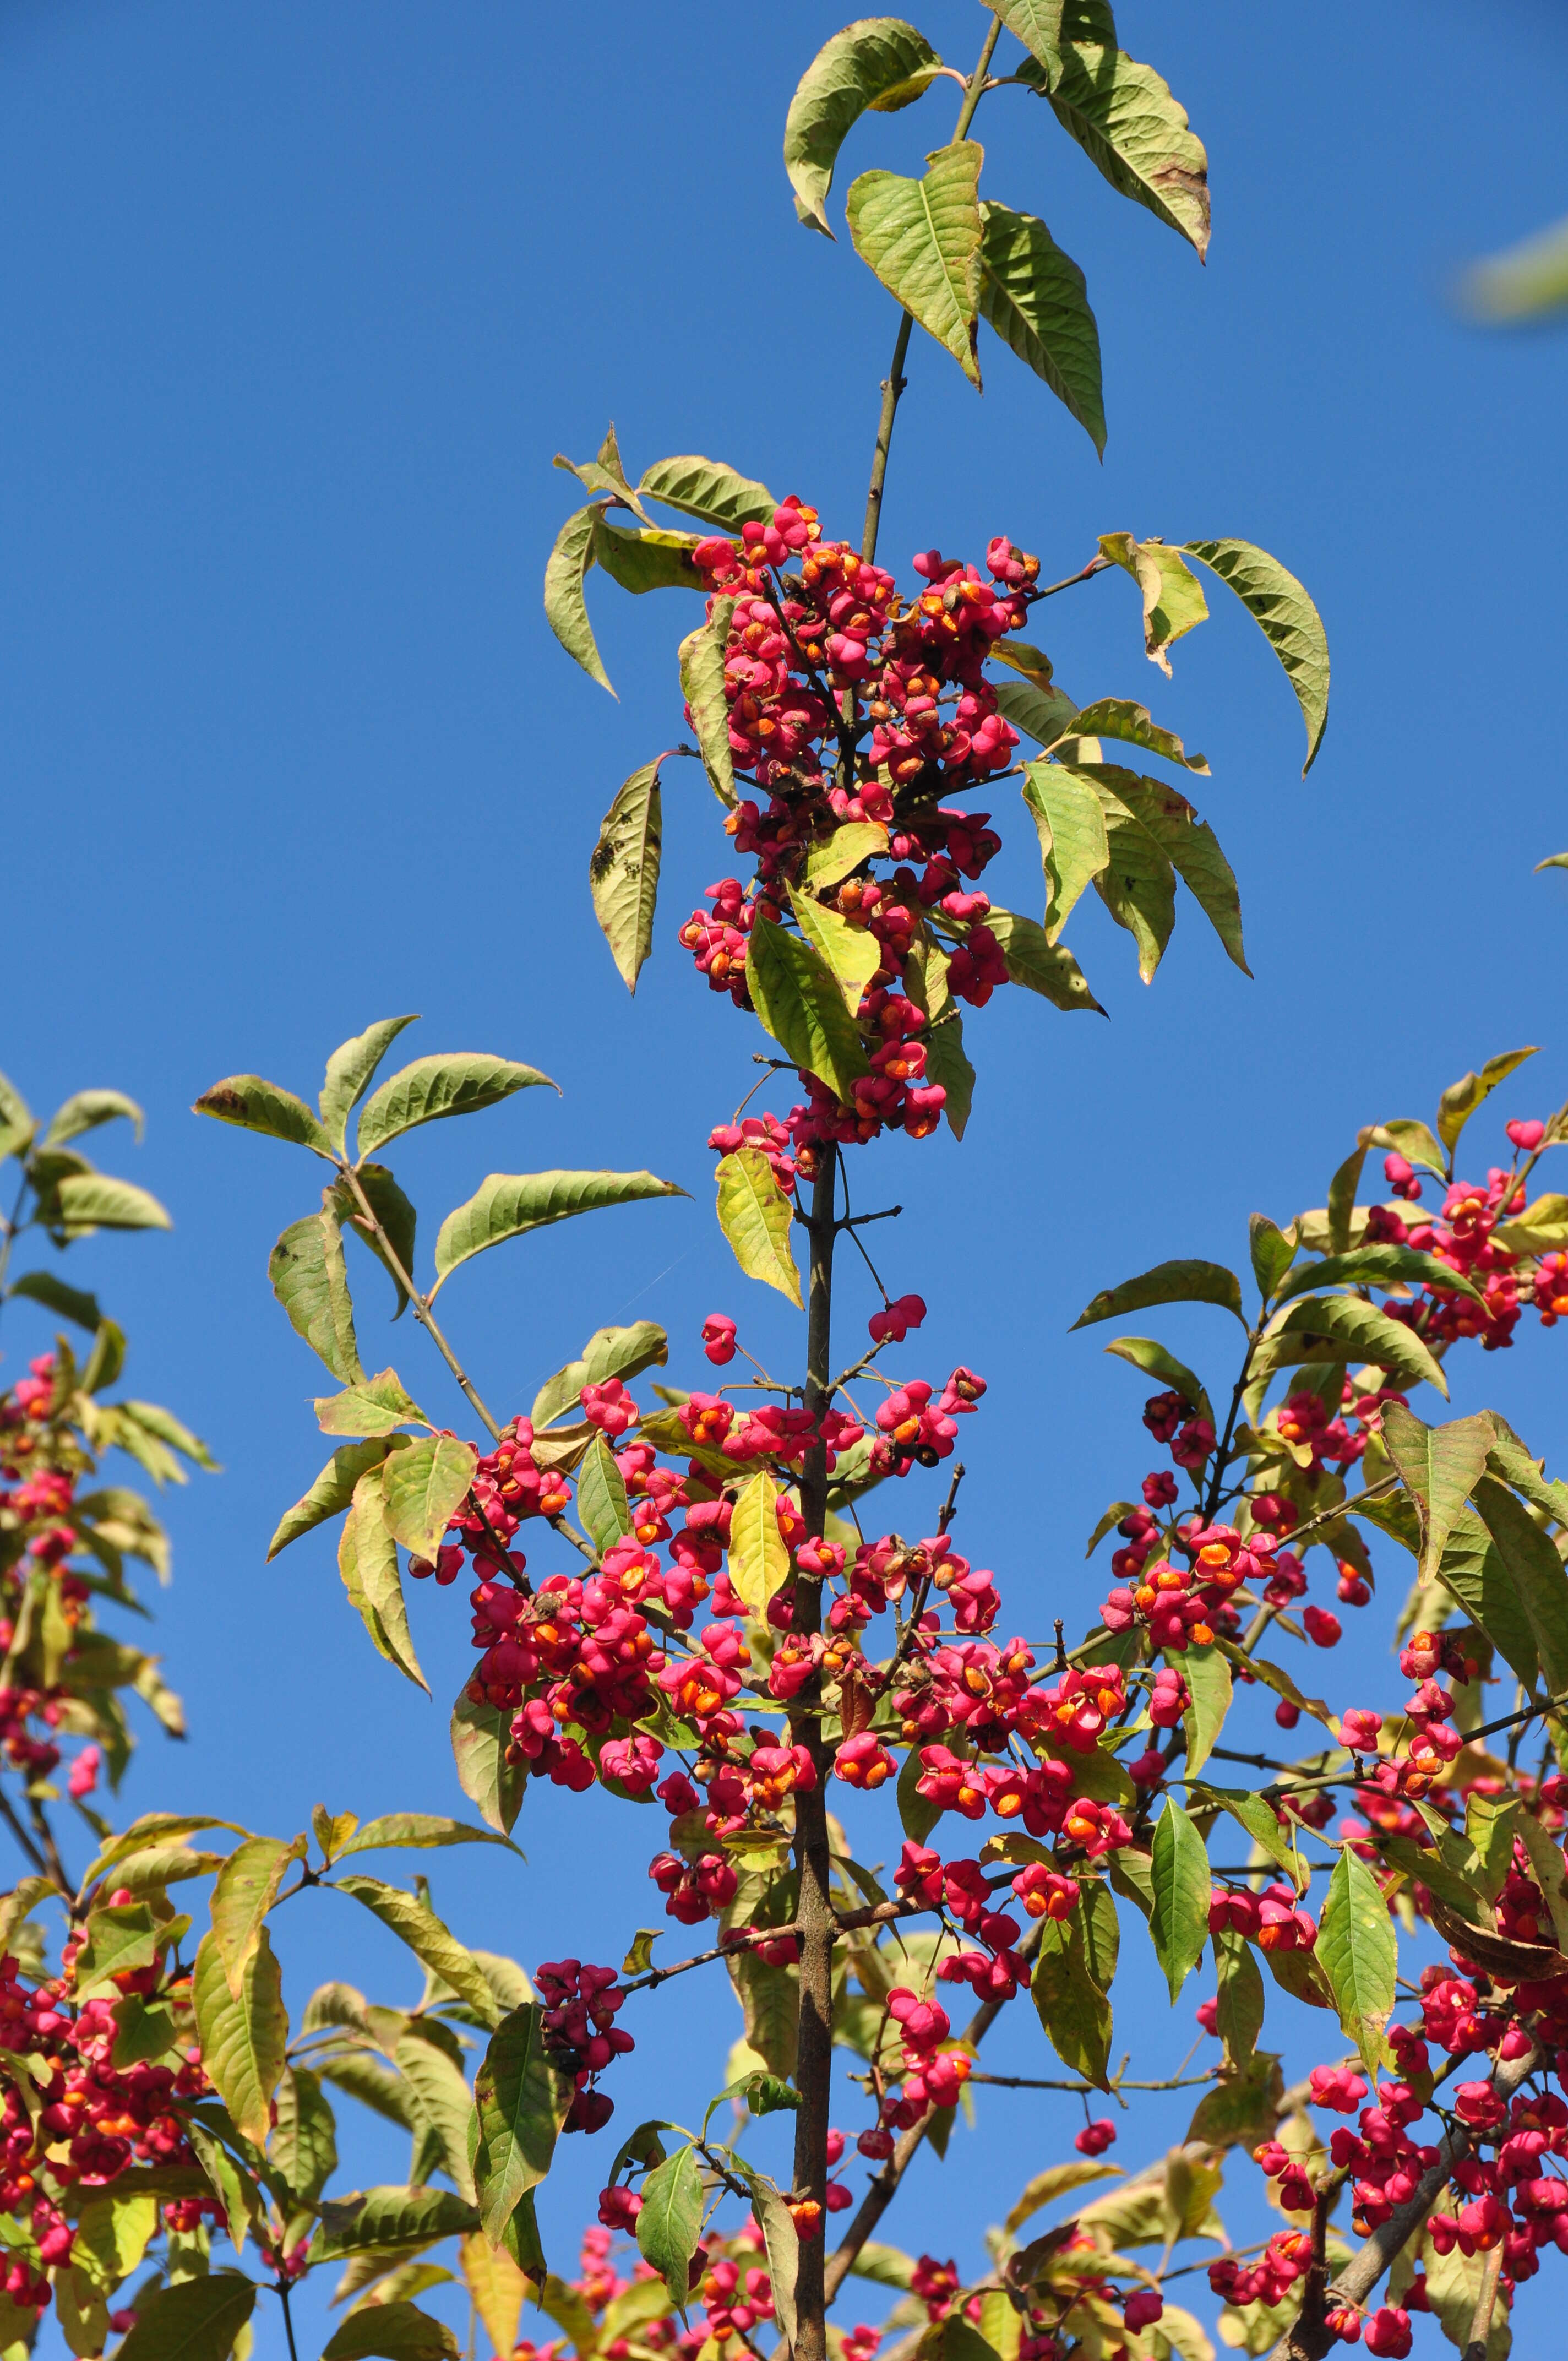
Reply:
x=422 y=1310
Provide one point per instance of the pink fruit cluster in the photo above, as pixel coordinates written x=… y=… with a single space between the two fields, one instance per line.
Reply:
x=847 y=704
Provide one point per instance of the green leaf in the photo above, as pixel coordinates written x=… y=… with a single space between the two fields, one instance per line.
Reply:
x=1358 y=1951
x=106 y=1359
x=1127 y=122
x=441 y=2102
x=1043 y=712
x=1541 y=1228
x=416 y=1924
x=1074 y=846
x=922 y=239
x=670 y=2223
x=480 y=1736
x=709 y=490
x=1239 y=2018
x=113 y=2232
x=17 y=1125
x=65 y=1302
x=925 y=983
x=1145 y=1354
x=390 y=1237
x=1547 y=1866
x=1169 y=1282
x=1036 y=299
x=755 y=1214
x=852 y=954
x=152 y=1829
x=759 y=1555
x=1045 y=967
x=1414 y=1142
x=609 y=1353
x=1440 y=1467
x=831 y=860
x=1341 y=1207
x=601 y=1497
x=780 y=2237
x=416 y=1830
x=350 y=1071
x=1250 y=1812
x=1473 y=1571
x=164 y=1427
x=604 y=474
x=84 y=1111
x=373 y=1409
x=1462 y=1098
x=196 y=2319
x=1192 y=848
x=389 y=2217
x=454 y=1082
x=1509 y=1460
x=121 y=1940
x=947 y=1062
x=310 y=1282
x=367 y=1562
x=702 y=685
x=244 y=1891
x=423 y=1487
x=1132 y=724
x=1208 y=1676
x=1535 y=1574
x=396 y=2330
x=1043 y=26
x=245 y=2038
x=258 y=1105
x=797 y=995
x=565 y=608
x=520 y=2102
x=332 y=1490
x=1055 y=2182
x=304 y=2138
x=878 y=62
x=1173 y=596
x=648 y=560
x=1288 y=619
x=1137 y=883
x=1435 y=1870
x=1180 y=1921
x=623 y=870
x=1378 y=1266
x=1360 y=1329
x=510 y=1204
x=1073 y=1970
x=96 y=1201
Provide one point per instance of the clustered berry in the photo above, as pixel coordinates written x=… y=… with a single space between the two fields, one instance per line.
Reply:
x=849 y=704
x=94 y=2122
x=581 y=2002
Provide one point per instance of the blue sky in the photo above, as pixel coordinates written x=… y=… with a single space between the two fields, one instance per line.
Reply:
x=299 y=303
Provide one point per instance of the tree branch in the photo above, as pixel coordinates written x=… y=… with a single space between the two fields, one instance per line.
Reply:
x=1311 y=2341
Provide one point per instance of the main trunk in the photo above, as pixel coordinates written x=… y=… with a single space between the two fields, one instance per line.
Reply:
x=814 y=2071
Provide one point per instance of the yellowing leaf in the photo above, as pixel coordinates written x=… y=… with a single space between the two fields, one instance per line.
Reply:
x=755 y=1215
x=759 y=1558
x=853 y=953
x=1173 y=596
